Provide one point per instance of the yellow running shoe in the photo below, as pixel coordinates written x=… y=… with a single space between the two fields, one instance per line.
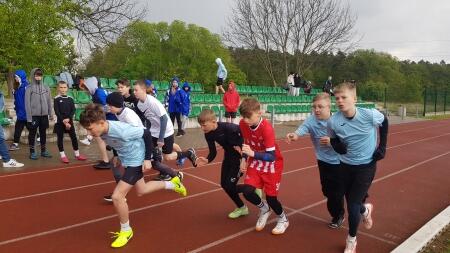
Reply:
x=122 y=238
x=179 y=187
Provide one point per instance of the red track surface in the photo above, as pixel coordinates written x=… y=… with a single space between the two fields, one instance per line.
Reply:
x=63 y=210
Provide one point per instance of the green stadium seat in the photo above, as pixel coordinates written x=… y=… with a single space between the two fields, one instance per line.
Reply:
x=73 y=95
x=4 y=120
x=50 y=81
x=112 y=84
x=78 y=113
x=164 y=85
x=104 y=82
x=83 y=97
x=216 y=110
x=195 y=111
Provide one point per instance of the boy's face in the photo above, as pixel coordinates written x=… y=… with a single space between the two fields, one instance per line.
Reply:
x=98 y=128
x=140 y=93
x=62 y=89
x=321 y=109
x=253 y=119
x=114 y=109
x=346 y=100
x=123 y=89
x=208 y=126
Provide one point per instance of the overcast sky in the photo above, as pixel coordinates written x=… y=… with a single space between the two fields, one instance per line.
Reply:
x=407 y=29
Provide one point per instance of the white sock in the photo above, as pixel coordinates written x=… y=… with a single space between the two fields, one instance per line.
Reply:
x=62 y=154
x=366 y=212
x=351 y=238
x=282 y=217
x=264 y=207
x=77 y=152
x=15 y=143
x=125 y=226
x=169 y=185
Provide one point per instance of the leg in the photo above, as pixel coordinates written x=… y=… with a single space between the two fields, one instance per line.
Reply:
x=31 y=140
x=120 y=203
x=43 y=125
x=3 y=148
x=178 y=117
x=151 y=186
x=229 y=178
x=60 y=137
x=217 y=89
x=73 y=137
x=221 y=89
x=329 y=179
x=18 y=128
x=163 y=169
x=357 y=185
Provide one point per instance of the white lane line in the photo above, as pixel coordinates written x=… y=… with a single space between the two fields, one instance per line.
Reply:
x=200 y=149
x=230 y=237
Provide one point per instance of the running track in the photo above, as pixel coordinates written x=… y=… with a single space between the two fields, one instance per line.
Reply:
x=61 y=210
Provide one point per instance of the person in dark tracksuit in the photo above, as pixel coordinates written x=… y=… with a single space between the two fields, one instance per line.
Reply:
x=64 y=107
x=353 y=134
x=327 y=159
x=228 y=135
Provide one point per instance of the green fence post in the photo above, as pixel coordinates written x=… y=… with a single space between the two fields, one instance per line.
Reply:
x=435 y=101
x=424 y=102
x=445 y=101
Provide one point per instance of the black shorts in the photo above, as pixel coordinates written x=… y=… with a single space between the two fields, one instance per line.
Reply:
x=132 y=174
x=219 y=82
x=230 y=115
x=168 y=144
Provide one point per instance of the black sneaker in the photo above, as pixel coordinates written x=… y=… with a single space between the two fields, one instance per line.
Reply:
x=336 y=222
x=108 y=198
x=179 y=134
x=102 y=165
x=162 y=177
x=192 y=156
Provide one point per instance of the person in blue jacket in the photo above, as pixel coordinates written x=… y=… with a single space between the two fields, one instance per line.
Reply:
x=19 y=106
x=175 y=102
x=186 y=105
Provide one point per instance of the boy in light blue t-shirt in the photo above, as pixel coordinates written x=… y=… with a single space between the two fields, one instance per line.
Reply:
x=353 y=133
x=327 y=158
x=134 y=149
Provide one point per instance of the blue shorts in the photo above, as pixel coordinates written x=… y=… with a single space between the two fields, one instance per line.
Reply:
x=132 y=174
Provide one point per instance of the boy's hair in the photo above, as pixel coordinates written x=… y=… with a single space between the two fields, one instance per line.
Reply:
x=61 y=83
x=123 y=82
x=322 y=96
x=345 y=86
x=141 y=83
x=92 y=113
x=206 y=115
x=249 y=106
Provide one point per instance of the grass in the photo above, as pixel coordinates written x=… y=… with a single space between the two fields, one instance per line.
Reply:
x=438 y=117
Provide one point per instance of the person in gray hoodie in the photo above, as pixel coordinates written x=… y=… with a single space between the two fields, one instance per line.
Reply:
x=38 y=108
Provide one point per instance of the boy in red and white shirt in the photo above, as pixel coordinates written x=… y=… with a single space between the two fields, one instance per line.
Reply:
x=264 y=164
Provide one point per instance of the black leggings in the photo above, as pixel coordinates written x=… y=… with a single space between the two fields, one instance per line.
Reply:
x=60 y=129
x=357 y=180
x=41 y=123
x=18 y=128
x=176 y=115
x=332 y=187
x=229 y=178
x=252 y=197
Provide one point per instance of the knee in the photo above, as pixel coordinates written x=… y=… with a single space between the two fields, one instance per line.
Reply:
x=353 y=208
x=248 y=191
x=117 y=197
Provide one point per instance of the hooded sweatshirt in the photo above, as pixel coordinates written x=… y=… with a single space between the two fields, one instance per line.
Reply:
x=221 y=71
x=186 y=99
x=19 y=96
x=174 y=99
x=231 y=98
x=98 y=93
x=37 y=98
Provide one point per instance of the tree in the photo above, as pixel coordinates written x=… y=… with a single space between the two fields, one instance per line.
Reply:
x=296 y=27
x=160 y=51
x=39 y=33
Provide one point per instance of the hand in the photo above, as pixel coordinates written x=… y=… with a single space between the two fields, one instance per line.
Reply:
x=379 y=153
x=291 y=137
x=160 y=144
x=201 y=161
x=247 y=150
x=66 y=121
x=68 y=126
x=147 y=165
x=325 y=141
x=115 y=161
x=238 y=149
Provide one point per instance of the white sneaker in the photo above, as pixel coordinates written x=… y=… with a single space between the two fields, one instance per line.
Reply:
x=262 y=220
x=350 y=246
x=12 y=164
x=367 y=219
x=281 y=226
x=86 y=141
